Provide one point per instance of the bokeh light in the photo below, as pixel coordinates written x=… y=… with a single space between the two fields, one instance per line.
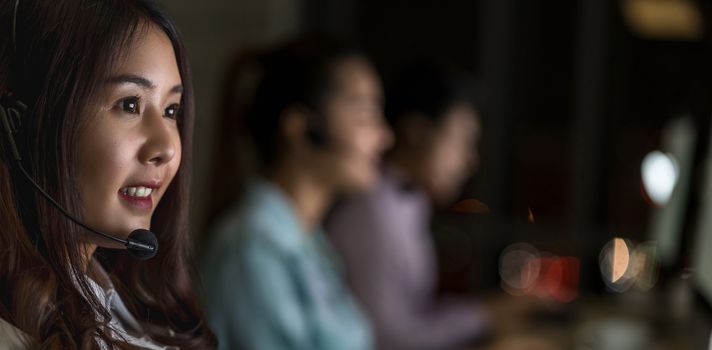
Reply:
x=645 y=266
x=519 y=267
x=524 y=270
x=624 y=266
x=660 y=173
x=620 y=259
x=470 y=206
x=530 y=216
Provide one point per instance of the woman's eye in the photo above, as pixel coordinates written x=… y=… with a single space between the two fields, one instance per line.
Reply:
x=130 y=105
x=172 y=111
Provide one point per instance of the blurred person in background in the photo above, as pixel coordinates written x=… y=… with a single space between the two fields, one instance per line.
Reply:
x=383 y=235
x=271 y=278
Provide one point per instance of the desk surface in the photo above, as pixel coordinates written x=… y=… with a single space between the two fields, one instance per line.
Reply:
x=627 y=322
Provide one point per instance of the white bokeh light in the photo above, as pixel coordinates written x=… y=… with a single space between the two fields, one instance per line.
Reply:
x=660 y=174
x=519 y=268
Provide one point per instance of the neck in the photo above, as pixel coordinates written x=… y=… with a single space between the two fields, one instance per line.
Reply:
x=309 y=196
x=407 y=165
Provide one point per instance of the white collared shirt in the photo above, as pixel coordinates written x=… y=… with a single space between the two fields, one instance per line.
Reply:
x=123 y=324
x=11 y=338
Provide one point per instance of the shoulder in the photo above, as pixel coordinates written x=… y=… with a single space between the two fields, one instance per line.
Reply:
x=388 y=199
x=251 y=228
x=263 y=218
x=248 y=233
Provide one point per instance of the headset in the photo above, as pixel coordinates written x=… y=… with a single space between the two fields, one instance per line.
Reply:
x=317 y=136
x=141 y=243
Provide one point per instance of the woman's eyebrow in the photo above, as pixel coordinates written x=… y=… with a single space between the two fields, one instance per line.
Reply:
x=178 y=89
x=133 y=79
x=141 y=81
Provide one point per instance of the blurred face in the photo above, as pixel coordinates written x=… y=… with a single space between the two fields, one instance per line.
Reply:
x=357 y=134
x=130 y=147
x=452 y=155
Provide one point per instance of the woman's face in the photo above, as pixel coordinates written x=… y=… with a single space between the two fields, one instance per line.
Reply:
x=130 y=148
x=452 y=153
x=357 y=134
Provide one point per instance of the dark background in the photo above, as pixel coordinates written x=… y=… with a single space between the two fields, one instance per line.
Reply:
x=576 y=96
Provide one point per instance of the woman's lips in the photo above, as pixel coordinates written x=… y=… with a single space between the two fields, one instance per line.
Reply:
x=142 y=203
x=139 y=196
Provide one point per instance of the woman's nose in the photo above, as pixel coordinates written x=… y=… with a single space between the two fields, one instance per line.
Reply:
x=162 y=139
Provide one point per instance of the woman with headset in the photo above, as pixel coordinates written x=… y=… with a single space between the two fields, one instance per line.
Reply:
x=272 y=281
x=96 y=110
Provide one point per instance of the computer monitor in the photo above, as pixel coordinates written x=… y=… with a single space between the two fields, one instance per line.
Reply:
x=667 y=220
x=702 y=247
x=702 y=258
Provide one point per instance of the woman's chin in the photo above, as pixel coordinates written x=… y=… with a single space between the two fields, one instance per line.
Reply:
x=363 y=182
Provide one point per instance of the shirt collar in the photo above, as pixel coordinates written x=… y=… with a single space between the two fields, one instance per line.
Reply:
x=273 y=206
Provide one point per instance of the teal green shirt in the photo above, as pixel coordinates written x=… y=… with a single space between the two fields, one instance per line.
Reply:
x=270 y=285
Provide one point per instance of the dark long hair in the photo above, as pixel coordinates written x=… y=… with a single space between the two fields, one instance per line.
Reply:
x=61 y=54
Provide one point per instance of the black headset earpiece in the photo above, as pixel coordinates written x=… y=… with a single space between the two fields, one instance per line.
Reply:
x=316 y=130
x=317 y=136
x=11 y=112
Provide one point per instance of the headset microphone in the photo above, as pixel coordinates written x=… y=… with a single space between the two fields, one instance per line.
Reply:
x=141 y=244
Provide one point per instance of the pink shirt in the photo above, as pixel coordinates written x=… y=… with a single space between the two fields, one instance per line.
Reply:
x=383 y=238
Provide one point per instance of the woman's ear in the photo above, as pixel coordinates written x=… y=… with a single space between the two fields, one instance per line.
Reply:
x=293 y=127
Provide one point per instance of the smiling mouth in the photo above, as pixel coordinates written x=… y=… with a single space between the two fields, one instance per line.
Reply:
x=139 y=191
x=137 y=197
